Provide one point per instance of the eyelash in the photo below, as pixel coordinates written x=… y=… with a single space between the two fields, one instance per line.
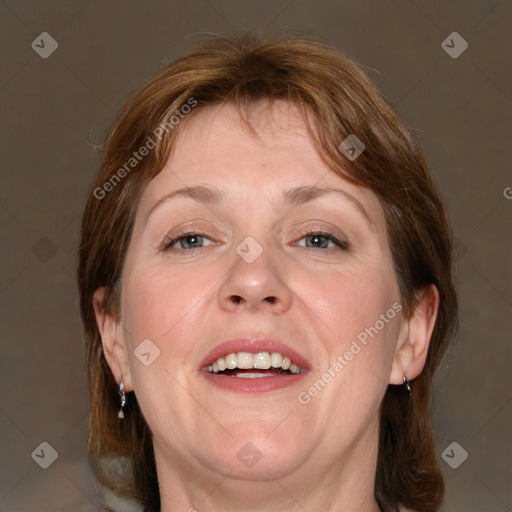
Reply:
x=342 y=244
x=170 y=241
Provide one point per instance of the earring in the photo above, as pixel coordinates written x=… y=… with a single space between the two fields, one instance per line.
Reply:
x=123 y=399
x=407 y=384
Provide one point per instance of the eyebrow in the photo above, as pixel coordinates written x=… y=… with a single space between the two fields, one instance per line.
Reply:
x=301 y=195
x=199 y=193
x=292 y=197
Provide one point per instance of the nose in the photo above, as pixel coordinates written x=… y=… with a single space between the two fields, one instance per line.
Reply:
x=254 y=287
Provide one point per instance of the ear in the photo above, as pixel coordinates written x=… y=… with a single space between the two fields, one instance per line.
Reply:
x=113 y=340
x=414 y=338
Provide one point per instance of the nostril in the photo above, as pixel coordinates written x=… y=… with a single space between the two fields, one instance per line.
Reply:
x=236 y=299
x=272 y=300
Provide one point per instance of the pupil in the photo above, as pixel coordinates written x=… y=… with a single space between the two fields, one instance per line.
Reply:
x=317 y=240
x=192 y=241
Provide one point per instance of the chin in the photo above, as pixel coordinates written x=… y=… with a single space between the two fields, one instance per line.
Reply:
x=257 y=457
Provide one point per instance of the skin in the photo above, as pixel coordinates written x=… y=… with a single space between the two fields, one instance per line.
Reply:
x=320 y=455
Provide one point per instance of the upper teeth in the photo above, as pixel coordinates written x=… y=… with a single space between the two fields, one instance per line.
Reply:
x=246 y=361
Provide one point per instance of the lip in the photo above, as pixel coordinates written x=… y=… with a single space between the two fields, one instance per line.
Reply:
x=257 y=384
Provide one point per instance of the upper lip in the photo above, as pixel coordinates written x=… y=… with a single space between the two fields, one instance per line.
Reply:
x=254 y=345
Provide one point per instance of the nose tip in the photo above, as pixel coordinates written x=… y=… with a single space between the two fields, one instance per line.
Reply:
x=253 y=287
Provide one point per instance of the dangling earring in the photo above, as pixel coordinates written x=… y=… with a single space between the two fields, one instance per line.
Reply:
x=407 y=384
x=123 y=399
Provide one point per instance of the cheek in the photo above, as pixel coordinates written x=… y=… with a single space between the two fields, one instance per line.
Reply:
x=164 y=305
x=359 y=325
x=348 y=301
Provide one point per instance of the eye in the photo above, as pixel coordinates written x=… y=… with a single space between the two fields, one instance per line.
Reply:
x=321 y=240
x=186 y=241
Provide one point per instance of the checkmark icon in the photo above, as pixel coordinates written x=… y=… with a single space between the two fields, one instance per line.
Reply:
x=454 y=45
x=249 y=249
x=146 y=352
x=249 y=455
x=454 y=455
x=45 y=455
x=450 y=454
x=44 y=250
x=44 y=45
x=352 y=147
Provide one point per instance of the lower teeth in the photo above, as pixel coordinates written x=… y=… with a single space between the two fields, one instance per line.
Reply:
x=255 y=375
x=246 y=374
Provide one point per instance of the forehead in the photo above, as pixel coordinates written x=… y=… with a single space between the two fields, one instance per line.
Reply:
x=274 y=126
x=216 y=147
x=219 y=135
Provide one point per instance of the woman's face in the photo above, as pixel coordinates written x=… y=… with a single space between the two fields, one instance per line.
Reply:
x=251 y=240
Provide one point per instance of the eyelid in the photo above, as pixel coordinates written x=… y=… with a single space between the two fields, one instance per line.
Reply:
x=305 y=229
x=172 y=239
x=335 y=234
x=196 y=226
x=341 y=244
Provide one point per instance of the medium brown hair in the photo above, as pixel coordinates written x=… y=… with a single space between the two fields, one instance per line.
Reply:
x=337 y=100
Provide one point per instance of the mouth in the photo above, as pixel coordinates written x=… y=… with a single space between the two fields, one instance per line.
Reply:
x=253 y=365
x=250 y=366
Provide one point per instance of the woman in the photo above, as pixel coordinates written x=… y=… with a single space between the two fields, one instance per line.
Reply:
x=266 y=289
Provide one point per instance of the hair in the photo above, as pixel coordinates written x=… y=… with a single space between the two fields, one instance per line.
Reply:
x=337 y=99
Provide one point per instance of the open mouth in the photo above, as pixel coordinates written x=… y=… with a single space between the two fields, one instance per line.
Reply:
x=250 y=366
x=255 y=365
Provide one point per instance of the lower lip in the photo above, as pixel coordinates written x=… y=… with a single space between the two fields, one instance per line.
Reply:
x=254 y=385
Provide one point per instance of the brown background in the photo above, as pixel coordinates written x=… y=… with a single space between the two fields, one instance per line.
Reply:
x=54 y=110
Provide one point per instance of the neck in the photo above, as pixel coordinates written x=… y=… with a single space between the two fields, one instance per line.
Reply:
x=345 y=484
